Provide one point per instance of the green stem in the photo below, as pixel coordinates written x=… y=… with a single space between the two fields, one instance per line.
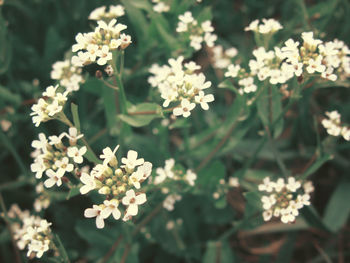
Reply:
x=122 y=96
x=277 y=154
x=62 y=250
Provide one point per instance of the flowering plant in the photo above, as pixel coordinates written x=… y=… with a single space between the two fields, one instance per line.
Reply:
x=174 y=130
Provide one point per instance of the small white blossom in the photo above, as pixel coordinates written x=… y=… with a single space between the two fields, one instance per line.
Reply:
x=54 y=178
x=89 y=183
x=76 y=154
x=133 y=201
x=95 y=211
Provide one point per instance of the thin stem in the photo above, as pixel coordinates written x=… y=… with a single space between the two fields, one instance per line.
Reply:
x=8 y=225
x=61 y=249
x=276 y=153
x=121 y=68
x=110 y=85
x=122 y=96
x=152 y=111
x=15 y=184
x=126 y=253
x=112 y=249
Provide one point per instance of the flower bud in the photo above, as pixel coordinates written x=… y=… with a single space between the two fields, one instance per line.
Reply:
x=105 y=190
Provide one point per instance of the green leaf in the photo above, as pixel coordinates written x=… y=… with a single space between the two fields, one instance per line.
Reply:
x=286 y=252
x=226 y=84
x=75 y=114
x=218 y=252
x=99 y=240
x=312 y=218
x=253 y=210
x=110 y=108
x=269 y=105
x=204 y=15
x=338 y=209
x=209 y=177
x=316 y=165
x=73 y=192
x=93 y=85
x=138 y=19
x=147 y=113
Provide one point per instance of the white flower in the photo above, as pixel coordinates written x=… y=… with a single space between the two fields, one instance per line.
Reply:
x=108 y=156
x=190 y=177
x=64 y=165
x=315 y=65
x=345 y=132
x=132 y=201
x=76 y=154
x=293 y=185
x=95 y=211
x=232 y=71
x=131 y=161
x=267 y=185
x=40 y=144
x=267 y=215
x=104 y=55
x=268 y=201
x=279 y=185
x=125 y=41
x=233 y=182
x=89 y=183
x=73 y=135
x=144 y=170
x=170 y=200
x=203 y=99
x=54 y=178
x=38 y=167
x=111 y=208
x=161 y=7
x=135 y=178
x=184 y=109
x=308 y=187
x=207 y=27
x=210 y=39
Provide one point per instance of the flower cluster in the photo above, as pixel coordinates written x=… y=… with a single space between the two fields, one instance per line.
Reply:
x=43 y=199
x=268 y=26
x=101 y=13
x=117 y=184
x=334 y=126
x=49 y=106
x=30 y=232
x=327 y=60
x=222 y=58
x=68 y=75
x=166 y=176
x=224 y=187
x=160 y=6
x=178 y=83
x=284 y=199
x=98 y=46
x=196 y=33
x=54 y=158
